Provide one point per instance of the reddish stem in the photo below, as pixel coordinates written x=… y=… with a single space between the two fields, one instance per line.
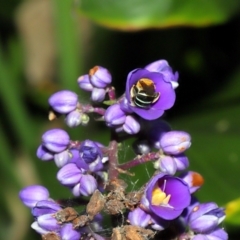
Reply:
x=89 y=109
x=111 y=93
x=140 y=160
x=113 y=157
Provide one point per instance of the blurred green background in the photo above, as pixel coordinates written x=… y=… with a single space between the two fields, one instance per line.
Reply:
x=45 y=45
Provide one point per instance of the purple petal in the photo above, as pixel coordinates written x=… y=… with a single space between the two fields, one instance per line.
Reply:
x=45 y=207
x=39 y=229
x=55 y=140
x=138 y=217
x=84 y=83
x=32 y=194
x=69 y=175
x=48 y=222
x=100 y=77
x=63 y=101
x=67 y=232
x=44 y=154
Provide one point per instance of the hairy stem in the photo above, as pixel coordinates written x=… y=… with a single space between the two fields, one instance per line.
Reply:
x=139 y=160
x=113 y=157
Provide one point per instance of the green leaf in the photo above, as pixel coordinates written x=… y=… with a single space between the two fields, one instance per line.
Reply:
x=142 y=14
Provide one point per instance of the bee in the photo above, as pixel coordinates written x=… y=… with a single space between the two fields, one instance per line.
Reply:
x=143 y=93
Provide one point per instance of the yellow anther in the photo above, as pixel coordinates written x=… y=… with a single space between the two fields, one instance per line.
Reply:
x=159 y=197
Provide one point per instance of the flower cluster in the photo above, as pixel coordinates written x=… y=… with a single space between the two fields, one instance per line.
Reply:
x=164 y=208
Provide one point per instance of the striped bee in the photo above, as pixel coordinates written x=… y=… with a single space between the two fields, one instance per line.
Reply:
x=143 y=93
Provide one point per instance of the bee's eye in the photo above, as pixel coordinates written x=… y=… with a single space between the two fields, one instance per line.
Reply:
x=143 y=93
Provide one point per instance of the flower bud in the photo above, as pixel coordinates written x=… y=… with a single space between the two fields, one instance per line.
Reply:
x=124 y=105
x=218 y=234
x=91 y=156
x=131 y=125
x=55 y=140
x=32 y=194
x=138 y=217
x=48 y=222
x=69 y=175
x=38 y=229
x=63 y=101
x=206 y=217
x=84 y=83
x=68 y=232
x=61 y=158
x=45 y=207
x=89 y=151
x=175 y=142
x=98 y=94
x=74 y=118
x=75 y=190
x=100 y=77
x=168 y=165
x=193 y=179
x=181 y=161
x=44 y=154
x=88 y=185
x=114 y=116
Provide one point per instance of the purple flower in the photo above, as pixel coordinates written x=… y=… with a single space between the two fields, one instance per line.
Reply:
x=193 y=179
x=69 y=175
x=63 y=101
x=67 y=232
x=44 y=154
x=55 y=140
x=163 y=67
x=74 y=118
x=148 y=94
x=88 y=185
x=181 y=161
x=175 y=142
x=138 y=217
x=100 y=77
x=216 y=234
x=35 y=226
x=84 y=83
x=90 y=156
x=205 y=217
x=131 y=125
x=48 y=222
x=98 y=94
x=114 y=116
x=184 y=216
x=45 y=207
x=32 y=194
x=168 y=165
x=167 y=196
x=61 y=158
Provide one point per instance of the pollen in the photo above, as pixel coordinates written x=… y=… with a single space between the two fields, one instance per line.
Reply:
x=159 y=197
